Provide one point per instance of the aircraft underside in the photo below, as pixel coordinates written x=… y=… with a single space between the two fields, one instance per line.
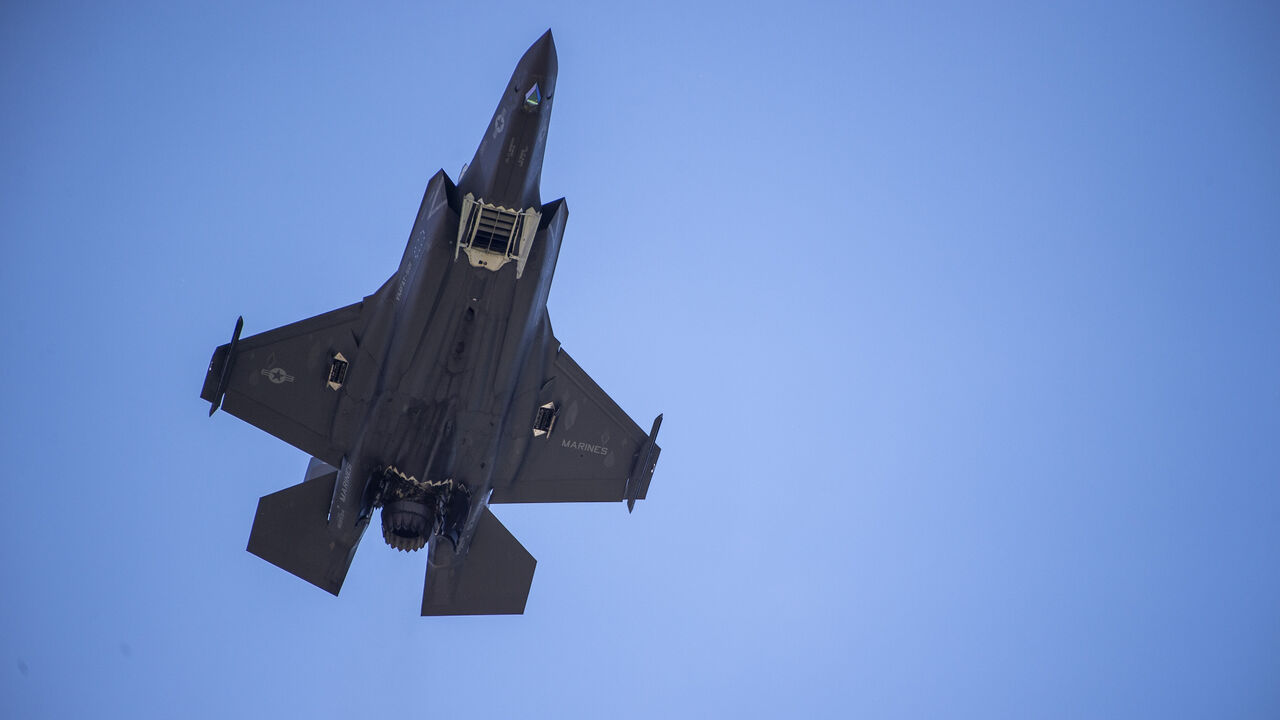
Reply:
x=442 y=393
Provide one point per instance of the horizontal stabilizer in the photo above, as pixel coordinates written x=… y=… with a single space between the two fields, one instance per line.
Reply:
x=291 y=531
x=492 y=578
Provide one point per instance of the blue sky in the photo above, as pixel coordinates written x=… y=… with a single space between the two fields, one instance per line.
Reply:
x=965 y=319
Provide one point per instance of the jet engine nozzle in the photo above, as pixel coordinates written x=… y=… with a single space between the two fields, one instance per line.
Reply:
x=407 y=525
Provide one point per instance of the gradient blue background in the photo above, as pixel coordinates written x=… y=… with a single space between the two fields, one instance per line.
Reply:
x=965 y=319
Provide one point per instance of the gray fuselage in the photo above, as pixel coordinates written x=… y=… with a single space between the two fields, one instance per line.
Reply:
x=450 y=352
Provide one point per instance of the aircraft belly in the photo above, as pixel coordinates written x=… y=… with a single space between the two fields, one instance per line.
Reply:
x=442 y=392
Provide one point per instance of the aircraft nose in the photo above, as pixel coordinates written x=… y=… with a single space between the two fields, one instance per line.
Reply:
x=540 y=58
x=545 y=45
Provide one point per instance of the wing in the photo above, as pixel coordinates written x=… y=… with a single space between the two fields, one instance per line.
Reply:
x=591 y=451
x=278 y=380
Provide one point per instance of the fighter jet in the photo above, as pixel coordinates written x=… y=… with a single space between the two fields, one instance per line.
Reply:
x=445 y=391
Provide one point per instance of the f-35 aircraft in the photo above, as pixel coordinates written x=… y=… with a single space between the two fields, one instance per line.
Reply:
x=445 y=391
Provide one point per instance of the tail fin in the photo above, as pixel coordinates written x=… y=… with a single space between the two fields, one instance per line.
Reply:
x=491 y=578
x=291 y=531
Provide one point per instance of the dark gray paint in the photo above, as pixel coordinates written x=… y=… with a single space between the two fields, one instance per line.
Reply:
x=448 y=365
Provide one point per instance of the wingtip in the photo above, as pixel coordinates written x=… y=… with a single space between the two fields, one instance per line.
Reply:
x=226 y=367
